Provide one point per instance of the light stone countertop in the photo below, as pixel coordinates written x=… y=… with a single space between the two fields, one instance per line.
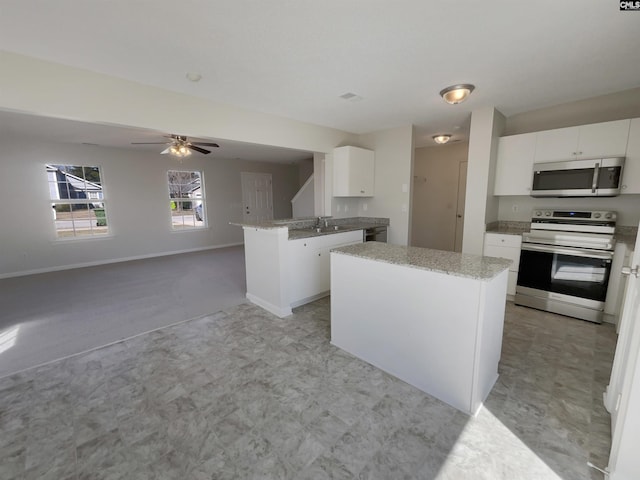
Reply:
x=508 y=227
x=451 y=263
x=304 y=227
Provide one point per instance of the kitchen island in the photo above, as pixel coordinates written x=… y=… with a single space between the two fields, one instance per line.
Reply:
x=431 y=318
x=287 y=261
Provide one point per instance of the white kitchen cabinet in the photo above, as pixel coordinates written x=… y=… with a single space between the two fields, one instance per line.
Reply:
x=353 y=172
x=514 y=164
x=608 y=139
x=631 y=171
x=309 y=260
x=505 y=246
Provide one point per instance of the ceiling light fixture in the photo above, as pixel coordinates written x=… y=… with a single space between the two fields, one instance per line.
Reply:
x=179 y=149
x=457 y=93
x=194 y=77
x=441 y=139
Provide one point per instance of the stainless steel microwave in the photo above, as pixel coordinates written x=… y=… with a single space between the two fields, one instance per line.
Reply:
x=600 y=177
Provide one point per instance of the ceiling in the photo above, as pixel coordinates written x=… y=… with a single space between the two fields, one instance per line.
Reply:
x=296 y=58
x=69 y=131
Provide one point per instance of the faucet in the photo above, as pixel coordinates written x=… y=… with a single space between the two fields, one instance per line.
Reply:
x=322 y=220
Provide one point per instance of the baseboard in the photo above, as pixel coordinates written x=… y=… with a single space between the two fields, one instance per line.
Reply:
x=310 y=299
x=269 y=307
x=116 y=260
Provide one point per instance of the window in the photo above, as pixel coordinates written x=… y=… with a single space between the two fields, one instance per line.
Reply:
x=186 y=199
x=77 y=200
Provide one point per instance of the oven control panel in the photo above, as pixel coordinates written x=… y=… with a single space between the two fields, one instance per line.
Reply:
x=572 y=215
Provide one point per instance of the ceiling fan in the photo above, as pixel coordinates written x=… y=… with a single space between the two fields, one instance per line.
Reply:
x=180 y=146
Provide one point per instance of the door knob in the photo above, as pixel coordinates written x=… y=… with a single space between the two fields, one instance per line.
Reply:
x=459 y=216
x=631 y=271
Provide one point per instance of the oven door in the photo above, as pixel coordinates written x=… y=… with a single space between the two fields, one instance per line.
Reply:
x=565 y=277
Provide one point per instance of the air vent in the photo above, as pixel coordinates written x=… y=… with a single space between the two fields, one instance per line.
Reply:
x=351 y=97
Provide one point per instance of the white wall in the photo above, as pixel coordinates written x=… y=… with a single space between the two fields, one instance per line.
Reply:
x=435 y=195
x=481 y=207
x=305 y=170
x=137 y=204
x=393 y=172
x=604 y=108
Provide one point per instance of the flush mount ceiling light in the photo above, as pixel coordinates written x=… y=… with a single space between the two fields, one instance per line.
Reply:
x=193 y=76
x=457 y=93
x=441 y=139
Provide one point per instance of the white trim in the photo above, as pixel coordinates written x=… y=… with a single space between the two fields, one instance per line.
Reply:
x=269 y=307
x=310 y=299
x=116 y=260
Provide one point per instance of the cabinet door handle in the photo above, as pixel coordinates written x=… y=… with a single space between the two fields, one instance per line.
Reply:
x=630 y=271
x=361 y=191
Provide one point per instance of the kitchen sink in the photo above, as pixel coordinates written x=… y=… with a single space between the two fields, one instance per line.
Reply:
x=331 y=228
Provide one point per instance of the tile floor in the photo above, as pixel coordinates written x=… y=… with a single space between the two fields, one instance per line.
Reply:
x=242 y=394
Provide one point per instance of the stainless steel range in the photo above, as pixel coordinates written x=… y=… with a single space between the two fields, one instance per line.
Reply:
x=565 y=262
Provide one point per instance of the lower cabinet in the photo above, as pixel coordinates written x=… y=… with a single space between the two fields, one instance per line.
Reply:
x=309 y=265
x=507 y=246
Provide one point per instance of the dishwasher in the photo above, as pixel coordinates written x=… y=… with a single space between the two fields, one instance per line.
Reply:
x=375 y=234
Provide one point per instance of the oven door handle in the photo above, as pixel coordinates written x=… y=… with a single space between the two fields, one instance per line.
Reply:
x=576 y=252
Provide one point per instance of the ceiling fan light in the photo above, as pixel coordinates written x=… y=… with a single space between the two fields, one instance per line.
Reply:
x=456 y=93
x=441 y=139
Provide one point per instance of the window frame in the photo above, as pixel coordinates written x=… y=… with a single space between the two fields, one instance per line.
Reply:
x=201 y=199
x=92 y=200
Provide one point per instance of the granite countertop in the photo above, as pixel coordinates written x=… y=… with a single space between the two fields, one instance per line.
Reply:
x=450 y=263
x=298 y=233
x=508 y=228
x=305 y=227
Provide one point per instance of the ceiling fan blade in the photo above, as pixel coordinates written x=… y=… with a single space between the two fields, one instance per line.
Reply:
x=166 y=150
x=198 y=149
x=149 y=143
x=206 y=144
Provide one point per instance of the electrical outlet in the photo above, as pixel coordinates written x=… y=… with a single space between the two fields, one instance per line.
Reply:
x=514 y=208
x=405 y=188
x=364 y=207
x=404 y=207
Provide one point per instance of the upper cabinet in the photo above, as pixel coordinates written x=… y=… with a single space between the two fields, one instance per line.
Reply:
x=518 y=153
x=608 y=139
x=631 y=171
x=353 y=172
x=515 y=164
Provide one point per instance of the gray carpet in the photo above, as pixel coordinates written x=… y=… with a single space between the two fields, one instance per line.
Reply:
x=53 y=315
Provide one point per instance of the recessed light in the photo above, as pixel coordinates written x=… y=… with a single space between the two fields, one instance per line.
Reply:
x=194 y=77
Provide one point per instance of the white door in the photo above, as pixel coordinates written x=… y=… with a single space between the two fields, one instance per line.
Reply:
x=623 y=393
x=257 y=197
x=462 y=194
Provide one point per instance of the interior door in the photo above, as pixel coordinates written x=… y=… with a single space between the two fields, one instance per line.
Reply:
x=622 y=397
x=257 y=197
x=462 y=191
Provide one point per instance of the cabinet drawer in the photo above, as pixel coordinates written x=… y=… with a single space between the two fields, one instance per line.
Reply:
x=502 y=240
